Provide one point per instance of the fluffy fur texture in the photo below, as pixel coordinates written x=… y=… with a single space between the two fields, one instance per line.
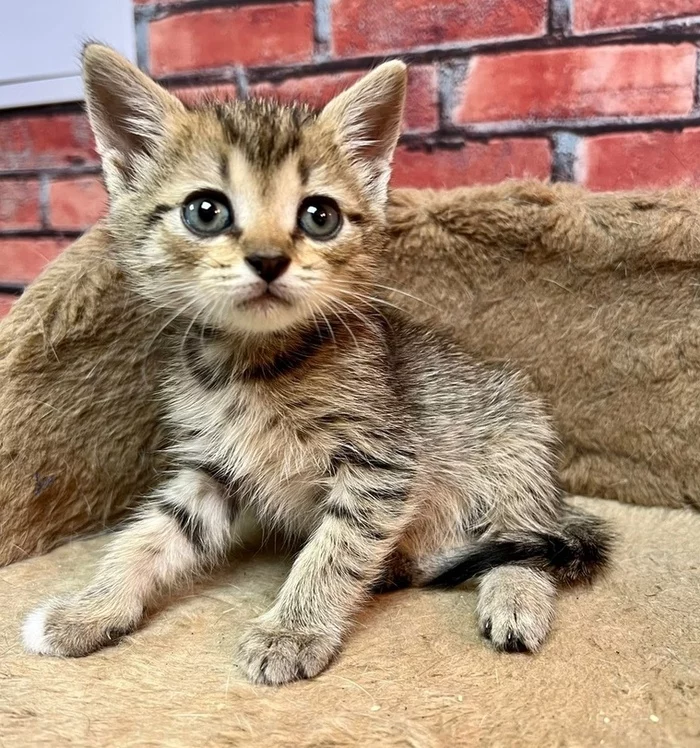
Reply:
x=621 y=667
x=79 y=357
x=293 y=392
x=593 y=295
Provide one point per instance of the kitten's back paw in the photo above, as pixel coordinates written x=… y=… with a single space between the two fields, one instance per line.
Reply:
x=67 y=628
x=516 y=607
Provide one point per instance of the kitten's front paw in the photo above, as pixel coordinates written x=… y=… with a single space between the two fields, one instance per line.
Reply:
x=273 y=655
x=69 y=628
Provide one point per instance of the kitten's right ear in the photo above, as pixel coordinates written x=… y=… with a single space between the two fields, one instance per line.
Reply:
x=367 y=120
x=129 y=113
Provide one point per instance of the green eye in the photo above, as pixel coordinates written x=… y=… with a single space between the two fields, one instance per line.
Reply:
x=319 y=217
x=207 y=213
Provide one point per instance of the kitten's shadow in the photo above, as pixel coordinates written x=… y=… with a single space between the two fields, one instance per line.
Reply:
x=267 y=561
x=248 y=580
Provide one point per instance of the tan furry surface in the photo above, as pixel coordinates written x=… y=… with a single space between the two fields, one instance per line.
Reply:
x=622 y=667
x=78 y=421
x=594 y=295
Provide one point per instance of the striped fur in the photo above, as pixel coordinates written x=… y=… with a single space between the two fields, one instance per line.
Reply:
x=307 y=399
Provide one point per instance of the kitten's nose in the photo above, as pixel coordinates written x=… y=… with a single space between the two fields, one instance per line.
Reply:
x=268 y=267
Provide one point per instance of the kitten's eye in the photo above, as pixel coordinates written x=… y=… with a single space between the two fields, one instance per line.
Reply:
x=319 y=217
x=207 y=213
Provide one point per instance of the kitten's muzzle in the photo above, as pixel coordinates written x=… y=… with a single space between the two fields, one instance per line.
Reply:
x=268 y=267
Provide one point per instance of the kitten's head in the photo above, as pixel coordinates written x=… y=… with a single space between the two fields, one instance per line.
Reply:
x=249 y=215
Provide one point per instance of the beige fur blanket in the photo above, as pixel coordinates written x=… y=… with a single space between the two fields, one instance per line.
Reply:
x=593 y=295
x=621 y=668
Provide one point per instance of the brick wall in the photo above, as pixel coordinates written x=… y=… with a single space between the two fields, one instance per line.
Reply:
x=603 y=92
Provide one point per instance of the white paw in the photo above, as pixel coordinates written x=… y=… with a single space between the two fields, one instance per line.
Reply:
x=34 y=632
x=74 y=627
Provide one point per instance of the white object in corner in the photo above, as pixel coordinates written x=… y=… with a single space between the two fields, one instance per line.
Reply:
x=40 y=43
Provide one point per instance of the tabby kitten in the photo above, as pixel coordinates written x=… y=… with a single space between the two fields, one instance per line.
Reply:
x=297 y=393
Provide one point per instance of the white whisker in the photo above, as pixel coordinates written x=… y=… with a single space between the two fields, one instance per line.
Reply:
x=366 y=300
x=170 y=320
x=343 y=322
x=374 y=284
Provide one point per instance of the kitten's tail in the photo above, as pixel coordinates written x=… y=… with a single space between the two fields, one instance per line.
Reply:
x=575 y=554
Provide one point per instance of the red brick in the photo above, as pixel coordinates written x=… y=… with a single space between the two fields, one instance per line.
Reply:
x=475 y=163
x=586 y=82
x=378 y=26
x=317 y=90
x=76 y=203
x=193 y=95
x=21 y=260
x=623 y=161
x=246 y=35
x=6 y=301
x=19 y=204
x=37 y=142
x=609 y=14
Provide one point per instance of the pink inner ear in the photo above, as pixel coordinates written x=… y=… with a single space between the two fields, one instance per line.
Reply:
x=368 y=115
x=127 y=109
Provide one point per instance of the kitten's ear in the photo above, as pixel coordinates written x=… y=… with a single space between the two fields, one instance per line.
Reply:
x=367 y=120
x=129 y=113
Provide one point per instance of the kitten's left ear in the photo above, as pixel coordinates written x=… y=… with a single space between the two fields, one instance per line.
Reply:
x=367 y=120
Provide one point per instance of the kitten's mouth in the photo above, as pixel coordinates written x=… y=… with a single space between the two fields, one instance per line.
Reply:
x=268 y=299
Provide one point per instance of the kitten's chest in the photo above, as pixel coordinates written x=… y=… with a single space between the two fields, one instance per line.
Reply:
x=272 y=439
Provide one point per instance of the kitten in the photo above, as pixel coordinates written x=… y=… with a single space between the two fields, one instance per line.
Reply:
x=296 y=392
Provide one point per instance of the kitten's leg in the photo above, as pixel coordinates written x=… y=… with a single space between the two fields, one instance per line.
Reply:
x=515 y=607
x=515 y=601
x=518 y=490
x=184 y=529
x=330 y=579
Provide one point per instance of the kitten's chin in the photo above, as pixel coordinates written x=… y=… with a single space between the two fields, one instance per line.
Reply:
x=261 y=315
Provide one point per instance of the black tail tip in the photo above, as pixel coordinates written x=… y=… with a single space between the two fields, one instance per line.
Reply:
x=583 y=551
